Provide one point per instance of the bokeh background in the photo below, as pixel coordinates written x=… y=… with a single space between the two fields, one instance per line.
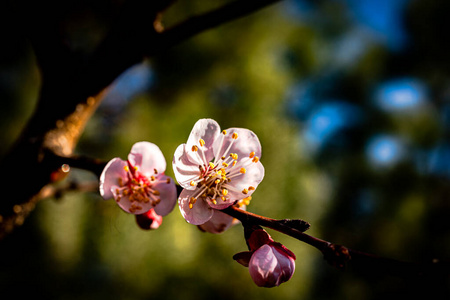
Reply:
x=351 y=102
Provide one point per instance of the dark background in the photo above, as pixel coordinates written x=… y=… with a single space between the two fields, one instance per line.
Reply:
x=350 y=100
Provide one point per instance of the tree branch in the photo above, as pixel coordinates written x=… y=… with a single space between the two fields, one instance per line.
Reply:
x=340 y=256
x=198 y=24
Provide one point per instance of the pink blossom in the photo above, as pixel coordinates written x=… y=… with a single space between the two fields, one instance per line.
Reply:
x=139 y=184
x=216 y=168
x=269 y=263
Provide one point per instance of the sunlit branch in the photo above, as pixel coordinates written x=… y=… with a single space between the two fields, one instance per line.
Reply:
x=340 y=256
x=21 y=211
x=197 y=24
x=280 y=225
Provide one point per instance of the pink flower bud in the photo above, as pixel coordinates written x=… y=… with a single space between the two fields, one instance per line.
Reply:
x=269 y=263
x=149 y=220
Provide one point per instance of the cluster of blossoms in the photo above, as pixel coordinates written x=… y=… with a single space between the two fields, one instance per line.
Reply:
x=216 y=169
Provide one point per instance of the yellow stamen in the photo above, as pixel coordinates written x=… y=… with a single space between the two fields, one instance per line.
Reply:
x=135 y=168
x=201 y=142
x=234 y=155
x=246 y=201
x=235 y=135
x=225 y=164
x=224 y=192
x=211 y=165
x=156 y=192
x=224 y=132
x=192 y=202
x=243 y=170
x=250 y=188
x=245 y=191
x=255 y=159
x=217 y=181
x=252 y=154
x=194 y=148
x=152 y=178
x=192 y=183
x=214 y=201
x=126 y=168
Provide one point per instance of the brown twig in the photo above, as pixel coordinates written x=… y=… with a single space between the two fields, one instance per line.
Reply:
x=340 y=256
x=21 y=211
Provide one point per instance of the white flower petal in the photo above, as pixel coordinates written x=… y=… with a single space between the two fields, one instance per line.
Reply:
x=252 y=178
x=167 y=193
x=184 y=169
x=207 y=130
x=245 y=143
x=218 y=223
x=200 y=212
x=220 y=203
x=113 y=170
x=147 y=157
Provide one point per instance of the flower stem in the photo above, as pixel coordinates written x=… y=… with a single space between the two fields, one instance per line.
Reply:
x=280 y=225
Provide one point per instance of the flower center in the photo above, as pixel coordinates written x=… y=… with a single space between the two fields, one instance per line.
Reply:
x=215 y=177
x=137 y=188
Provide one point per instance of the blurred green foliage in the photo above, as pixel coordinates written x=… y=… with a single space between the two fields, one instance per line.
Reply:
x=243 y=74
